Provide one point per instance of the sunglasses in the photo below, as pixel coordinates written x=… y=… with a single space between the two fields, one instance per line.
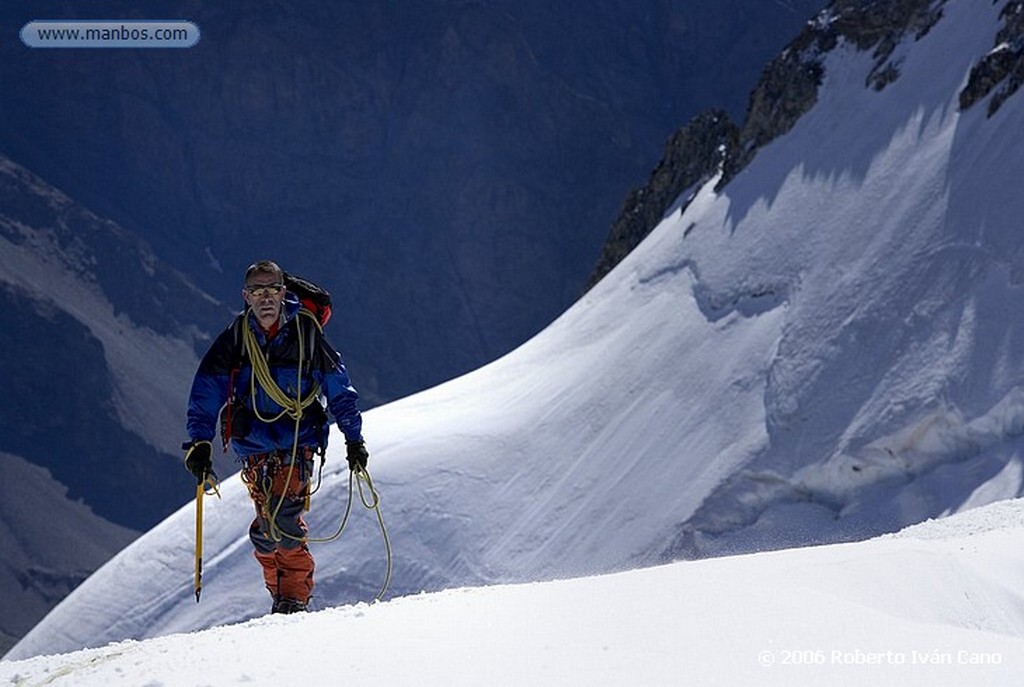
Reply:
x=260 y=290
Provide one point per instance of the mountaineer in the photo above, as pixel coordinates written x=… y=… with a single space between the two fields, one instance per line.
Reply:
x=276 y=377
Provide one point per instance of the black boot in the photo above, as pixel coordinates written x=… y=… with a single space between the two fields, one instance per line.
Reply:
x=285 y=605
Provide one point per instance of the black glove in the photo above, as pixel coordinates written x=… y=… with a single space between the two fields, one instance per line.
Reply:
x=357 y=455
x=199 y=459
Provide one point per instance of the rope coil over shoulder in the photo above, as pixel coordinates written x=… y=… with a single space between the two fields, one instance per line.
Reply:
x=292 y=407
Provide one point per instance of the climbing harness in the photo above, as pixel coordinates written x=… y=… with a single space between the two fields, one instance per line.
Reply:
x=260 y=477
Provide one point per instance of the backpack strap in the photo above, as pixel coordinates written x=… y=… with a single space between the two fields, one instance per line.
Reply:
x=312 y=334
x=227 y=415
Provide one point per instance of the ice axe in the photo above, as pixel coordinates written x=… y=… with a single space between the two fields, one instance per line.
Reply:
x=210 y=479
x=199 y=540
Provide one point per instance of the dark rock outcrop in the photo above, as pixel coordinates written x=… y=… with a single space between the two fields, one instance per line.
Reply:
x=693 y=155
x=787 y=89
x=1003 y=67
x=789 y=84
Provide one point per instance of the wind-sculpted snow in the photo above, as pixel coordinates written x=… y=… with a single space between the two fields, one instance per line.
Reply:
x=937 y=604
x=826 y=349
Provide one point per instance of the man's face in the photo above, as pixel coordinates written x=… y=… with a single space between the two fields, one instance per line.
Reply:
x=264 y=293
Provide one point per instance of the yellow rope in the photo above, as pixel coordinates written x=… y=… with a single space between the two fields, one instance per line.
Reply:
x=359 y=476
x=363 y=474
x=294 y=407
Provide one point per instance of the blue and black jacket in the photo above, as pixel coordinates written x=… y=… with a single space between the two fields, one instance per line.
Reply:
x=225 y=375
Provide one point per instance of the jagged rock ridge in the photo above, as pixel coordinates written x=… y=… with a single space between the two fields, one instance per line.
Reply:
x=788 y=89
x=1003 y=65
x=693 y=155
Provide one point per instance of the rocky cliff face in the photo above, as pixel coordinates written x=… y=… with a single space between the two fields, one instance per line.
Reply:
x=1000 y=72
x=98 y=339
x=98 y=336
x=444 y=167
x=693 y=155
x=787 y=89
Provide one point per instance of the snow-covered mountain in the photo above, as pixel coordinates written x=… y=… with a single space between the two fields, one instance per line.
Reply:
x=824 y=349
x=446 y=168
x=50 y=544
x=938 y=604
x=90 y=425
x=100 y=339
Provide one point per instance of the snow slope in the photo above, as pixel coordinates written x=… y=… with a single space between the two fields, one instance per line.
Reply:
x=42 y=562
x=939 y=604
x=827 y=349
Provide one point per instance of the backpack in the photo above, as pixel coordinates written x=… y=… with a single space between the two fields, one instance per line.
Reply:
x=313 y=297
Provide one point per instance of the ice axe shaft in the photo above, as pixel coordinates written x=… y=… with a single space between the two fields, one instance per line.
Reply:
x=199 y=540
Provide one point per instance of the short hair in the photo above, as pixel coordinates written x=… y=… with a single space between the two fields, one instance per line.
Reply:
x=264 y=267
